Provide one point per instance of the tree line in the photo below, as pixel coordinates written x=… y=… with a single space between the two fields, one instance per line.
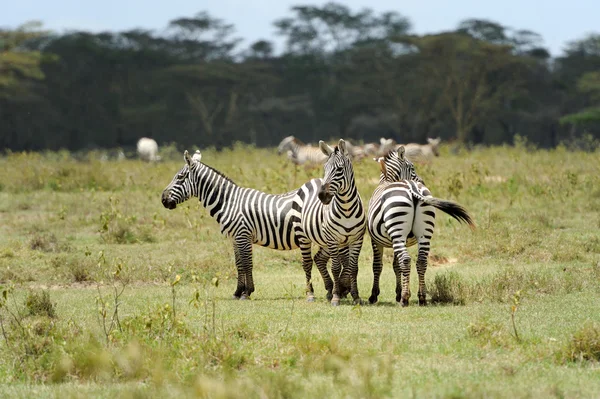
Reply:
x=360 y=75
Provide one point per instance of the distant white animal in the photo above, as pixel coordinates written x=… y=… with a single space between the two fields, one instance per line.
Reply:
x=423 y=153
x=381 y=149
x=147 y=150
x=300 y=153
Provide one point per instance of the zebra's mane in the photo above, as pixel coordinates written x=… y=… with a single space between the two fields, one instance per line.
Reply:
x=218 y=173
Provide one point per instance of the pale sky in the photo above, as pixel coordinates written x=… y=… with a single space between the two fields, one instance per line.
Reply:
x=558 y=22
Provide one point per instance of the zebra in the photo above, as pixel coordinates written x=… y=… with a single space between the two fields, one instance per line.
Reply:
x=402 y=205
x=246 y=215
x=147 y=150
x=333 y=217
x=423 y=152
x=384 y=146
x=300 y=153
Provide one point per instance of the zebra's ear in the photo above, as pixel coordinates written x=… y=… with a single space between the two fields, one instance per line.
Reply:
x=342 y=147
x=187 y=158
x=401 y=152
x=325 y=148
x=197 y=156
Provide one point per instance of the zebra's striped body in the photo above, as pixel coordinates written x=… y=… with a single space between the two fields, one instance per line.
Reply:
x=402 y=204
x=246 y=215
x=333 y=217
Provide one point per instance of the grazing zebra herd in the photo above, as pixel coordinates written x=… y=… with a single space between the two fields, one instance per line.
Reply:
x=327 y=212
x=305 y=154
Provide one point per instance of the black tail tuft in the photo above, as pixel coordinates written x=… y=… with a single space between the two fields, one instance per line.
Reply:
x=453 y=209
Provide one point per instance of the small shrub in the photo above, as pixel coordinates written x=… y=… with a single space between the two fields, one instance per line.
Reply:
x=488 y=332
x=80 y=271
x=39 y=304
x=584 y=344
x=45 y=242
x=448 y=288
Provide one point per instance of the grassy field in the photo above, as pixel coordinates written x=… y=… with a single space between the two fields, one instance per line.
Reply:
x=105 y=293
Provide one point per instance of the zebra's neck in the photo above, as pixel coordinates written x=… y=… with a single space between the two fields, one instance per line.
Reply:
x=213 y=189
x=347 y=201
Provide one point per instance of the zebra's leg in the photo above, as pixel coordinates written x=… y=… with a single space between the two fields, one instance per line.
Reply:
x=377 y=266
x=321 y=259
x=354 y=249
x=424 y=227
x=241 y=275
x=336 y=268
x=402 y=271
x=422 y=268
x=345 y=272
x=244 y=265
x=397 y=273
x=307 y=262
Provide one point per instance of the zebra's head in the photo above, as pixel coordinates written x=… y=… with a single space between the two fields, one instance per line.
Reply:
x=339 y=175
x=286 y=144
x=181 y=188
x=395 y=167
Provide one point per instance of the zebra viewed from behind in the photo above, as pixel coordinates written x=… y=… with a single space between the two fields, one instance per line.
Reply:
x=147 y=150
x=246 y=215
x=333 y=217
x=402 y=204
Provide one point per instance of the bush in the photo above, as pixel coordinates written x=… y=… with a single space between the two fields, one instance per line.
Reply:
x=39 y=304
x=584 y=344
x=448 y=288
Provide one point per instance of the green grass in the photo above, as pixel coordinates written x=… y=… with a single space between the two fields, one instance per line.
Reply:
x=73 y=232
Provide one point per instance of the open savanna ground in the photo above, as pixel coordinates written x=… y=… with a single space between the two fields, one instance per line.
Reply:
x=105 y=293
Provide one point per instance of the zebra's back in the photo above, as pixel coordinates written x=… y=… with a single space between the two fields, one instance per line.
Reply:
x=269 y=218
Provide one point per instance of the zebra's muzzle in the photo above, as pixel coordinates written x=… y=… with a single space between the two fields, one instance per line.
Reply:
x=324 y=195
x=168 y=202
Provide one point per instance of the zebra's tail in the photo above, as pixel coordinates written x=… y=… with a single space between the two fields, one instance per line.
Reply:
x=453 y=209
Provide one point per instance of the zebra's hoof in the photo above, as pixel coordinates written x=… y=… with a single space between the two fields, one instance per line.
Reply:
x=358 y=301
x=404 y=303
x=235 y=297
x=310 y=298
x=244 y=297
x=335 y=303
x=422 y=302
x=372 y=299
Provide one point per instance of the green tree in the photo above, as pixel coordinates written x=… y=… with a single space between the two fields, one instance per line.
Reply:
x=18 y=65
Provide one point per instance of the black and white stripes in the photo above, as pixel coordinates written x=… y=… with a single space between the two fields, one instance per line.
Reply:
x=402 y=205
x=246 y=215
x=333 y=216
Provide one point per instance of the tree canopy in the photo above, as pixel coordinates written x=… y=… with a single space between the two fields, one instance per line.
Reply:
x=357 y=74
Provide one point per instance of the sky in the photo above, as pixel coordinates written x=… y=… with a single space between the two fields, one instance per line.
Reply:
x=558 y=22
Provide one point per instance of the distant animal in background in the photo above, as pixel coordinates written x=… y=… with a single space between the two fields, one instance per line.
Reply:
x=300 y=153
x=379 y=150
x=147 y=150
x=423 y=153
x=356 y=152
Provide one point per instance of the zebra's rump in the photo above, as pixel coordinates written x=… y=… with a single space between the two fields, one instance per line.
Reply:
x=391 y=205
